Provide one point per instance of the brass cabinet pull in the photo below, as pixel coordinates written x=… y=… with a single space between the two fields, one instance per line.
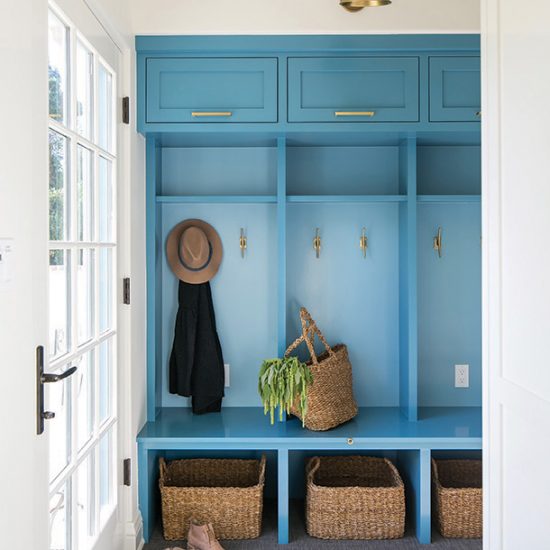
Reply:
x=350 y=441
x=211 y=113
x=317 y=243
x=355 y=113
x=438 y=243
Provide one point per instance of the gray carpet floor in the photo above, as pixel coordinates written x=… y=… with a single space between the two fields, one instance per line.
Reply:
x=300 y=539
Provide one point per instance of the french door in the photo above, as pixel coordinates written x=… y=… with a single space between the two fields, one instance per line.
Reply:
x=82 y=251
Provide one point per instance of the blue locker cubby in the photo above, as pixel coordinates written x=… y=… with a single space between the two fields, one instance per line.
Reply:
x=286 y=170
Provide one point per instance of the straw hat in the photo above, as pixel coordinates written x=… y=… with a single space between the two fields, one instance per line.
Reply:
x=194 y=251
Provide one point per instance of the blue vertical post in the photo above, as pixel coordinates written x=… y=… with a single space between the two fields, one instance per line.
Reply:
x=424 y=515
x=143 y=490
x=281 y=245
x=282 y=455
x=283 y=496
x=414 y=466
x=408 y=314
x=150 y=243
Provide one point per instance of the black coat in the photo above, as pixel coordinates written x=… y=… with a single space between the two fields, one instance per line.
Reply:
x=196 y=363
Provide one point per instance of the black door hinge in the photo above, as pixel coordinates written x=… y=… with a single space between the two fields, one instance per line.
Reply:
x=126 y=110
x=127 y=474
x=126 y=291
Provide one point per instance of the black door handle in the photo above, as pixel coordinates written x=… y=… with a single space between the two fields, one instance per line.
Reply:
x=49 y=378
x=41 y=379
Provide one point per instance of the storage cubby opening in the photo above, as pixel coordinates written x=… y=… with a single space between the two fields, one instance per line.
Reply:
x=243 y=294
x=298 y=461
x=407 y=463
x=448 y=170
x=350 y=170
x=459 y=479
x=449 y=304
x=218 y=171
x=270 y=491
x=332 y=286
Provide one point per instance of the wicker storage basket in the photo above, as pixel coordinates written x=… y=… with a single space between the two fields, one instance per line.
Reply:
x=354 y=497
x=226 y=493
x=330 y=396
x=458 y=498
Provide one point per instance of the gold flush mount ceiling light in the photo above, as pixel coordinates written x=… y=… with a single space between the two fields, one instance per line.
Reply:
x=357 y=5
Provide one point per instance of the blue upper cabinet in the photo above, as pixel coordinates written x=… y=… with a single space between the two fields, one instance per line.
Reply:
x=353 y=89
x=455 y=89
x=282 y=85
x=199 y=90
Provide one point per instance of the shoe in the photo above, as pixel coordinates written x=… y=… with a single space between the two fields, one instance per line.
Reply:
x=202 y=537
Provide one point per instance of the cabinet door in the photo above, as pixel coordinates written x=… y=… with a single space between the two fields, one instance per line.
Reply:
x=455 y=89
x=211 y=90
x=353 y=89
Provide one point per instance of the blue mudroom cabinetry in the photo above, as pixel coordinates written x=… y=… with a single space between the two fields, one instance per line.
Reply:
x=332 y=89
x=286 y=137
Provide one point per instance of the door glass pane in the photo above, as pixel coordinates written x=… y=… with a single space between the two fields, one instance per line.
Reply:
x=85 y=399
x=105 y=108
x=105 y=289
x=57 y=68
x=85 y=194
x=59 y=534
x=85 y=500
x=60 y=284
x=83 y=91
x=105 y=200
x=105 y=377
x=58 y=399
x=85 y=294
x=59 y=187
x=106 y=477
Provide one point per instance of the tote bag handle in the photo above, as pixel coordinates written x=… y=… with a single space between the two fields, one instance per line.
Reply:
x=309 y=330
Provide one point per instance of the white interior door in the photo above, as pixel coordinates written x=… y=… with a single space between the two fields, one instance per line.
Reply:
x=516 y=226
x=23 y=270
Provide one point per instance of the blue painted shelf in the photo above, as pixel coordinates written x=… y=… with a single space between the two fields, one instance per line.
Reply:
x=216 y=199
x=346 y=198
x=372 y=428
x=448 y=198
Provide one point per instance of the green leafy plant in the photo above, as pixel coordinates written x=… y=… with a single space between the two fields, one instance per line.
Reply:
x=283 y=382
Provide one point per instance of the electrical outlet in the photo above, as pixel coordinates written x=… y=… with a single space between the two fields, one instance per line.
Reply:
x=462 y=376
x=226 y=371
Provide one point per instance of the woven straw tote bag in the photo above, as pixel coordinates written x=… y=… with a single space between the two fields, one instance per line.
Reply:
x=330 y=396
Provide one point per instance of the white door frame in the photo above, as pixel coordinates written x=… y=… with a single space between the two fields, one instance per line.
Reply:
x=131 y=263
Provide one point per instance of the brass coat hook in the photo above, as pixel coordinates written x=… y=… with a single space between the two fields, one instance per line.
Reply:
x=317 y=243
x=364 y=242
x=243 y=242
x=438 y=243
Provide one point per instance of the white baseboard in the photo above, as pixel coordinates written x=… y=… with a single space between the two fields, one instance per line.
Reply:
x=133 y=534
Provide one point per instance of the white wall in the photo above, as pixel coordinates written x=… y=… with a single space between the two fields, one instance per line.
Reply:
x=301 y=17
x=516 y=270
